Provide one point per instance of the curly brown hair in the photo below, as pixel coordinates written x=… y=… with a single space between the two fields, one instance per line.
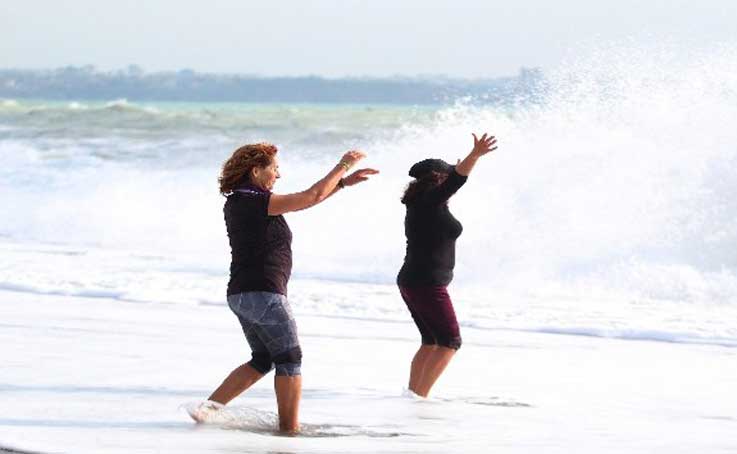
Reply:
x=237 y=168
x=418 y=186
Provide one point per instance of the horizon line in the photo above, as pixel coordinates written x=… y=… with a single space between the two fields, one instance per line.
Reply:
x=138 y=70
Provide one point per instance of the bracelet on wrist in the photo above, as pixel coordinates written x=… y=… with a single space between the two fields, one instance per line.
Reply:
x=345 y=165
x=341 y=183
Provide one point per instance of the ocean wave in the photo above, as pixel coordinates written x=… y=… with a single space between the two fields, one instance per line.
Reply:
x=590 y=196
x=310 y=128
x=651 y=335
x=122 y=105
x=116 y=275
x=78 y=136
x=77 y=106
x=83 y=293
x=336 y=308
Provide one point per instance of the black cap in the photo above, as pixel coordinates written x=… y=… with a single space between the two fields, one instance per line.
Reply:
x=422 y=168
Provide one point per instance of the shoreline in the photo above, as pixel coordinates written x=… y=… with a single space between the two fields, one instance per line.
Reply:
x=103 y=376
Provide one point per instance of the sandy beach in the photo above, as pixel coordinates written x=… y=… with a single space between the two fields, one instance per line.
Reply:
x=90 y=375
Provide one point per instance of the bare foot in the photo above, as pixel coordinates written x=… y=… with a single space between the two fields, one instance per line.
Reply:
x=289 y=432
x=204 y=412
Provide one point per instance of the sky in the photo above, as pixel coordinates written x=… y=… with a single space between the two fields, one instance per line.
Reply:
x=334 y=38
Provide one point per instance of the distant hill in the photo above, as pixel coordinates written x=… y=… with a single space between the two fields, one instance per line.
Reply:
x=133 y=83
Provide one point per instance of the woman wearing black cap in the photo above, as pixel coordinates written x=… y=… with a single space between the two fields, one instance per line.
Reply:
x=428 y=265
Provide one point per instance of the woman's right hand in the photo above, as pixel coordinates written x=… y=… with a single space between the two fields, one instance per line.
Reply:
x=351 y=158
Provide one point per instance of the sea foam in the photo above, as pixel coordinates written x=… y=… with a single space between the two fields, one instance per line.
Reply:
x=613 y=182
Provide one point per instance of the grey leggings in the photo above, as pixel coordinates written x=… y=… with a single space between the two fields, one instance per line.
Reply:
x=270 y=330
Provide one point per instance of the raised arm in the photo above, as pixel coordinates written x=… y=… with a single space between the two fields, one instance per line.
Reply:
x=321 y=190
x=458 y=177
x=481 y=147
x=359 y=176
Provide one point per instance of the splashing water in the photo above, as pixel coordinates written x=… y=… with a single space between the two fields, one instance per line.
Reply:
x=615 y=179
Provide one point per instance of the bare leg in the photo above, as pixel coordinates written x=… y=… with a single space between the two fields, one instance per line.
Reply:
x=419 y=362
x=238 y=381
x=435 y=365
x=288 y=393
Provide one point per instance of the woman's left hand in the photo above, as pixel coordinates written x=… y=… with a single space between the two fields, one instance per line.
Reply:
x=486 y=144
x=358 y=176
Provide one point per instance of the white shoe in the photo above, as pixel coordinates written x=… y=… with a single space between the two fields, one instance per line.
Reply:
x=205 y=411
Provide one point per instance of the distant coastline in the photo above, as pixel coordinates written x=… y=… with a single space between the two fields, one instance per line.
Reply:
x=133 y=83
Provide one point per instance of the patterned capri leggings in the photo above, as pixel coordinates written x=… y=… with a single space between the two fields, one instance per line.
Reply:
x=270 y=330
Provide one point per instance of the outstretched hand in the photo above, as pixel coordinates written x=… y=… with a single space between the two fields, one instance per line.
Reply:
x=351 y=157
x=359 y=176
x=483 y=145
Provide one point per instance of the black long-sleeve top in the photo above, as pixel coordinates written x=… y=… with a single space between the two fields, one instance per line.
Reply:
x=431 y=232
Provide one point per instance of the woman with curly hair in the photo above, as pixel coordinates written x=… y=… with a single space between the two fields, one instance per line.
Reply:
x=431 y=232
x=261 y=263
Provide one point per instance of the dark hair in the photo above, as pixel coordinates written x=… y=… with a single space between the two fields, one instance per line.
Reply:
x=237 y=168
x=420 y=185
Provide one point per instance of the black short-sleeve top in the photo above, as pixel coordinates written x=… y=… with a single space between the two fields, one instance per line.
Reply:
x=260 y=245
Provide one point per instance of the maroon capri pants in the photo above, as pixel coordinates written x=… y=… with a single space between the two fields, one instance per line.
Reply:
x=432 y=311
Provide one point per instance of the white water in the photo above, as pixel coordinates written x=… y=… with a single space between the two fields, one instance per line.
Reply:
x=612 y=189
x=89 y=376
